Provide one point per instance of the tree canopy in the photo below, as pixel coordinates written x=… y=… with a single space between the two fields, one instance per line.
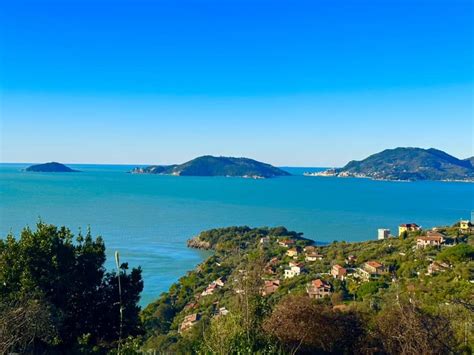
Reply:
x=66 y=275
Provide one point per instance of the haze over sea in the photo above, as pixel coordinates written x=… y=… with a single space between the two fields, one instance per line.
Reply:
x=148 y=218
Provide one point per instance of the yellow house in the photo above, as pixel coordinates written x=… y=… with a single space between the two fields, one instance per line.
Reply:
x=464 y=225
x=409 y=227
x=292 y=252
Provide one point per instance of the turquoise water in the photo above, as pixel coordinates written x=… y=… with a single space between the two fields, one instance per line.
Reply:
x=149 y=218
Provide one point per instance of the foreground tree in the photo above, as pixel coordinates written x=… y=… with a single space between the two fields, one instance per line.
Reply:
x=404 y=328
x=67 y=276
x=303 y=325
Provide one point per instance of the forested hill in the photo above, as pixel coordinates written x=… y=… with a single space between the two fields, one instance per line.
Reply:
x=410 y=164
x=216 y=166
x=51 y=167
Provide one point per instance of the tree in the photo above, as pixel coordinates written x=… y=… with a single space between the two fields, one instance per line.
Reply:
x=22 y=323
x=404 y=328
x=301 y=324
x=50 y=266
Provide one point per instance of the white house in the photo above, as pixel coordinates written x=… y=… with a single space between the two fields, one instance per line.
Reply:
x=383 y=233
x=294 y=270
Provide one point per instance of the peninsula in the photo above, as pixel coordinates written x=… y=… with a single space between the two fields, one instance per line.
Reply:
x=52 y=167
x=216 y=166
x=407 y=164
x=270 y=288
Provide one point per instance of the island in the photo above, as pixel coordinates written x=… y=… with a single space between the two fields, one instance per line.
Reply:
x=216 y=166
x=52 y=167
x=407 y=164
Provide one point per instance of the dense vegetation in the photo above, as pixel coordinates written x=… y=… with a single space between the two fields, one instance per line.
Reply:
x=56 y=296
x=52 y=167
x=405 y=310
x=411 y=164
x=216 y=166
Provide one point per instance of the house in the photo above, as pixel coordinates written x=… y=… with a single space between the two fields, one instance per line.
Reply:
x=351 y=259
x=294 y=270
x=309 y=249
x=464 y=225
x=220 y=282
x=209 y=289
x=273 y=261
x=213 y=286
x=363 y=274
x=338 y=272
x=286 y=242
x=408 y=227
x=383 y=233
x=313 y=257
x=435 y=233
x=222 y=311
x=264 y=240
x=318 y=289
x=436 y=267
x=293 y=252
x=189 y=321
x=269 y=270
x=270 y=286
x=374 y=267
x=434 y=241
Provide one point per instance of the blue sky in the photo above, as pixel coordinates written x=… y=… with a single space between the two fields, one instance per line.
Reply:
x=308 y=83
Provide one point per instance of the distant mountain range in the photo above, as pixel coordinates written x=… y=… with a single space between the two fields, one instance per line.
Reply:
x=51 y=167
x=408 y=164
x=216 y=166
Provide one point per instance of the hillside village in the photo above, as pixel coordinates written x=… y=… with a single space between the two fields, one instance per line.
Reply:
x=342 y=275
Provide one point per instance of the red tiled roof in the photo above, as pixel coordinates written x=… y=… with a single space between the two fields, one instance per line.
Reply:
x=374 y=264
x=319 y=283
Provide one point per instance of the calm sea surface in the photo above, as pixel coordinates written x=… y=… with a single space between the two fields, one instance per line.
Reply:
x=149 y=218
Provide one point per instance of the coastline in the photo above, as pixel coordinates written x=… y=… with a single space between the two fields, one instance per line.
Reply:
x=380 y=179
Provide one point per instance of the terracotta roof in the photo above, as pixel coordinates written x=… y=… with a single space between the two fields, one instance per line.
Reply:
x=429 y=238
x=374 y=264
x=191 y=318
x=435 y=234
x=319 y=283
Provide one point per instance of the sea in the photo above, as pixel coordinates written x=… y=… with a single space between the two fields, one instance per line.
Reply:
x=149 y=218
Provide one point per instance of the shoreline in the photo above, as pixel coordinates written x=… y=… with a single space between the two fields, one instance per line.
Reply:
x=376 y=179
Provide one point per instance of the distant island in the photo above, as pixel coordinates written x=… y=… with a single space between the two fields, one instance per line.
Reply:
x=52 y=167
x=216 y=166
x=407 y=164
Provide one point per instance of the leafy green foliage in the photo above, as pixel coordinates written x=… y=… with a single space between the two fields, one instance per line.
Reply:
x=67 y=274
x=255 y=323
x=459 y=253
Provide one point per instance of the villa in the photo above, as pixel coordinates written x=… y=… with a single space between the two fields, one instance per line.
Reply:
x=429 y=241
x=374 y=267
x=313 y=256
x=464 y=226
x=270 y=287
x=294 y=270
x=318 y=289
x=293 y=252
x=338 y=272
x=286 y=242
x=189 y=321
x=408 y=227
